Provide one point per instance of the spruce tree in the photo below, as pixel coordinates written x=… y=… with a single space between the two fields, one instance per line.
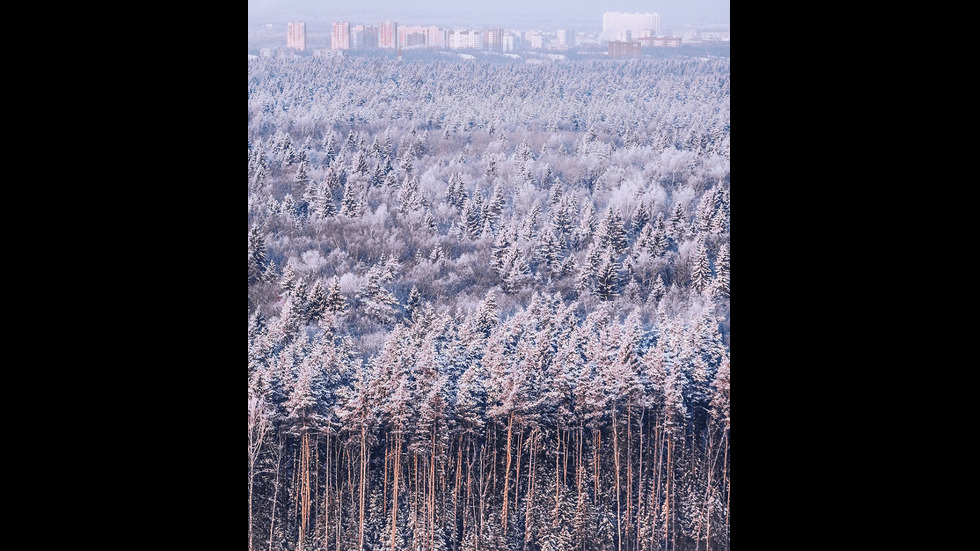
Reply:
x=350 y=203
x=258 y=261
x=722 y=282
x=335 y=302
x=607 y=278
x=316 y=303
x=611 y=233
x=701 y=271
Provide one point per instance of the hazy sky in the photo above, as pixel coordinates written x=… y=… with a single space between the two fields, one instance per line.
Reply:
x=487 y=12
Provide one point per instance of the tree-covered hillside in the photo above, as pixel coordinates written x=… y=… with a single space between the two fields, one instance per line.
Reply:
x=488 y=304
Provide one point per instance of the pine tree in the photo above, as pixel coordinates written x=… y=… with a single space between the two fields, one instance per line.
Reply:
x=588 y=270
x=677 y=223
x=641 y=217
x=258 y=261
x=705 y=212
x=611 y=233
x=549 y=253
x=360 y=165
x=720 y=223
x=515 y=271
x=287 y=281
x=379 y=303
x=657 y=290
x=501 y=248
x=472 y=214
x=323 y=205
x=301 y=179
x=316 y=302
x=701 y=271
x=554 y=192
x=456 y=192
x=382 y=171
x=408 y=195
x=335 y=302
x=561 y=218
x=350 y=203
x=487 y=314
x=587 y=225
x=722 y=282
x=329 y=148
x=414 y=301
x=332 y=180
x=287 y=206
x=493 y=208
x=529 y=226
x=607 y=278
x=659 y=242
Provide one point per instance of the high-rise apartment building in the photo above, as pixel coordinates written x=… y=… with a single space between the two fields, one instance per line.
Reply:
x=461 y=40
x=364 y=37
x=421 y=37
x=613 y=23
x=340 y=36
x=388 y=35
x=566 y=39
x=493 y=40
x=534 y=40
x=296 y=35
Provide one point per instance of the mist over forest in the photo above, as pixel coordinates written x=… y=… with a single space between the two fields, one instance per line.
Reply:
x=489 y=304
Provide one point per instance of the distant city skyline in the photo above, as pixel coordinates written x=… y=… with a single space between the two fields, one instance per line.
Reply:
x=581 y=14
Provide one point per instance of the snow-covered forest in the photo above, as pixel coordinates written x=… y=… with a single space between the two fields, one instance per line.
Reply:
x=488 y=304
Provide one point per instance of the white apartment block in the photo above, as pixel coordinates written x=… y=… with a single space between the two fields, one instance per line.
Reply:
x=461 y=40
x=614 y=23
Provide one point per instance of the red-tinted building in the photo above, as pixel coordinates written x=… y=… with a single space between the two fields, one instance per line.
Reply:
x=388 y=35
x=623 y=50
x=340 y=36
x=296 y=35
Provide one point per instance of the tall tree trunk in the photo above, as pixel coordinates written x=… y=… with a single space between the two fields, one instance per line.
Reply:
x=510 y=426
x=338 y=485
x=432 y=491
x=363 y=484
x=517 y=469
x=459 y=474
x=619 y=531
x=326 y=496
x=579 y=471
x=564 y=460
x=530 y=487
x=727 y=486
x=629 y=470
x=707 y=492
x=595 y=464
x=658 y=442
x=394 y=489
x=384 y=502
x=304 y=487
x=667 y=498
x=639 y=482
x=469 y=485
x=275 y=494
x=557 y=458
x=413 y=498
